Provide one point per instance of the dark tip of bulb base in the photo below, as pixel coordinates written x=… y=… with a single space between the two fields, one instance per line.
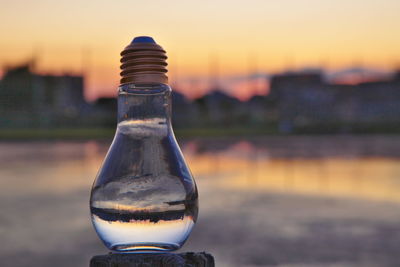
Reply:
x=143 y=61
x=143 y=39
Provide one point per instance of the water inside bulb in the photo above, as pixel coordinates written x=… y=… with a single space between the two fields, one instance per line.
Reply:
x=144 y=196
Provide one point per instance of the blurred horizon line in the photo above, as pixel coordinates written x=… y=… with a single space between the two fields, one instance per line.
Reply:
x=254 y=82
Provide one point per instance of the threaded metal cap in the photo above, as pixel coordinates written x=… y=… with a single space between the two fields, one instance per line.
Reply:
x=143 y=61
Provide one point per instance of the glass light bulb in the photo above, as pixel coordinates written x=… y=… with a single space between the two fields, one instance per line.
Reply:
x=144 y=196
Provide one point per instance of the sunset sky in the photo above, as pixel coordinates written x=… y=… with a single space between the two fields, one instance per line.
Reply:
x=227 y=38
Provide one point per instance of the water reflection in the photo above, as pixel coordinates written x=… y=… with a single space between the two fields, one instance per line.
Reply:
x=328 y=167
x=44 y=188
x=357 y=167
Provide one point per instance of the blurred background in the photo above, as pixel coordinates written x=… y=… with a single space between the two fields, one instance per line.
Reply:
x=288 y=113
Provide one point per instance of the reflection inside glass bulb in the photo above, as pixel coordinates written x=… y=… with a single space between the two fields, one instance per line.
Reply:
x=127 y=231
x=144 y=197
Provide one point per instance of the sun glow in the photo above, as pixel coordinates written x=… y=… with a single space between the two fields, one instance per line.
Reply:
x=203 y=39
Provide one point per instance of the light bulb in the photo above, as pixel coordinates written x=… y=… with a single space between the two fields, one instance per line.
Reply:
x=144 y=196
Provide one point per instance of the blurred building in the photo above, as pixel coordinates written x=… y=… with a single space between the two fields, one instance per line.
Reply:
x=28 y=99
x=297 y=102
x=305 y=102
x=102 y=113
x=183 y=111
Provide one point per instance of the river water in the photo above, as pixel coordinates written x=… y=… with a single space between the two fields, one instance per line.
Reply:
x=266 y=201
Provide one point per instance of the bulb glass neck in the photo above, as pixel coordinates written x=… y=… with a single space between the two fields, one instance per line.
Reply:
x=144 y=102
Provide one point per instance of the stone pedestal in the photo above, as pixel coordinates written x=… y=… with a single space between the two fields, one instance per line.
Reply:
x=187 y=259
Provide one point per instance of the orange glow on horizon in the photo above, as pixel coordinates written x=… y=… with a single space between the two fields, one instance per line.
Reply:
x=202 y=39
